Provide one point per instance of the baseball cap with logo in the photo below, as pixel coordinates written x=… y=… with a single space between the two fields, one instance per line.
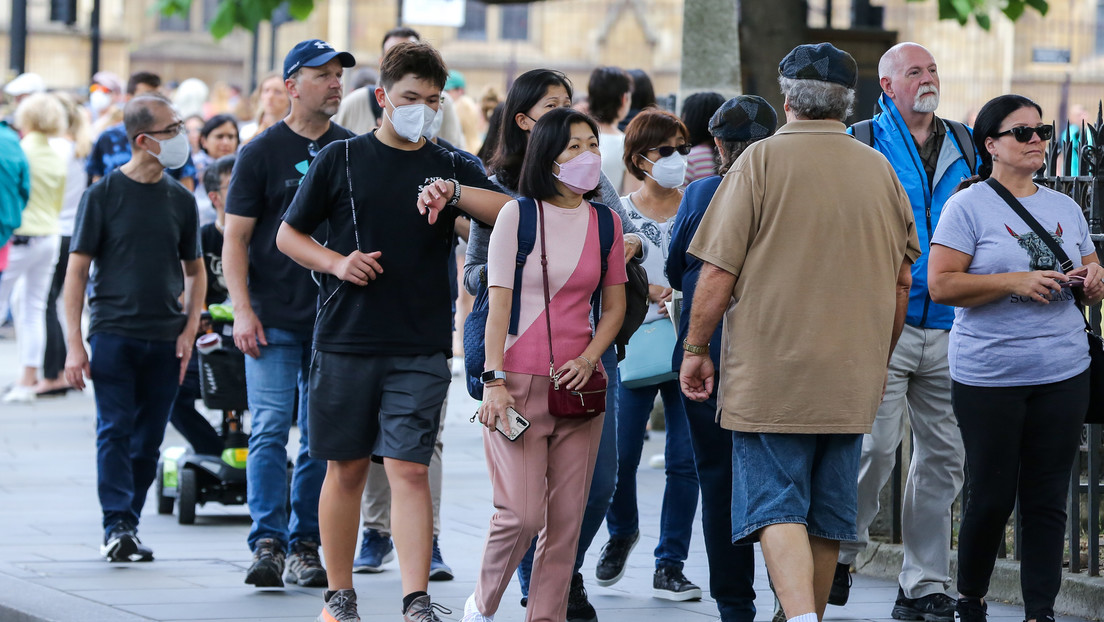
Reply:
x=313 y=53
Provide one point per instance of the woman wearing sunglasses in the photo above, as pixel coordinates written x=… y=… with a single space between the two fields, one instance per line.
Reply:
x=541 y=480
x=656 y=146
x=1018 y=353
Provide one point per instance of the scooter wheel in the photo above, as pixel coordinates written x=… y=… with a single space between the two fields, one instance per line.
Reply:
x=164 y=504
x=186 y=494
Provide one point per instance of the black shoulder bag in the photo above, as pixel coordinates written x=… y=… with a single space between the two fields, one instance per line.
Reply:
x=1096 y=344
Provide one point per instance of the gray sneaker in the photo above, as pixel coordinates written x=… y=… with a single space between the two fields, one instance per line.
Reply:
x=268 y=564
x=423 y=609
x=340 y=606
x=304 y=566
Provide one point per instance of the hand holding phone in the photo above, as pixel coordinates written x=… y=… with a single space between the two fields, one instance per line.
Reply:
x=1074 y=281
x=517 y=423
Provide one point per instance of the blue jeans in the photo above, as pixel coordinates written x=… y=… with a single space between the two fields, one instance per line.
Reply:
x=731 y=568
x=271 y=381
x=680 y=496
x=602 y=483
x=135 y=382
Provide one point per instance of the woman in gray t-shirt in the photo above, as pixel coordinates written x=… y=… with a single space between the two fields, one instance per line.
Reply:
x=1018 y=352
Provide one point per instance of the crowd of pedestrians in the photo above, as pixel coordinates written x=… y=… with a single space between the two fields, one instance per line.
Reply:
x=346 y=229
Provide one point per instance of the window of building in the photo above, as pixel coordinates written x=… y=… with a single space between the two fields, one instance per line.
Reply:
x=174 y=23
x=210 y=10
x=515 y=22
x=1098 y=47
x=475 y=21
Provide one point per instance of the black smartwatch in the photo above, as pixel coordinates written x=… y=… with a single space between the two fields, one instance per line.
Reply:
x=491 y=376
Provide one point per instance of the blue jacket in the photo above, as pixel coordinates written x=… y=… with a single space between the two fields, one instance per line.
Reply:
x=682 y=268
x=15 y=182
x=892 y=139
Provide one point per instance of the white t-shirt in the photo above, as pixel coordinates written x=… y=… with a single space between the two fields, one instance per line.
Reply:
x=612 y=147
x=657 y=237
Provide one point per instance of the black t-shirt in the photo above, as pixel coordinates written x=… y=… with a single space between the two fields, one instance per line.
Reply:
x=210 y=240
x=137 y=234
x=406 y=309
x=266 y=175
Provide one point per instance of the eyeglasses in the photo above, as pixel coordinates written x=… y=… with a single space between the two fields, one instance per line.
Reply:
x=667 y=150
x=313 y=149
x=1023 y=133
x=174 y=129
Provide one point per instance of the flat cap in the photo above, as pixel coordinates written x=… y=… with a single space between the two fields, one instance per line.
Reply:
x=822 y=61
x=743 y=118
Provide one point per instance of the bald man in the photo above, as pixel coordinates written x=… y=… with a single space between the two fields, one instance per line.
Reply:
x=930 y=156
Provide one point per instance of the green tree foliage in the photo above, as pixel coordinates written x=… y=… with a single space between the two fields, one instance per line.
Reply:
x=249 y=13
x=962 y=10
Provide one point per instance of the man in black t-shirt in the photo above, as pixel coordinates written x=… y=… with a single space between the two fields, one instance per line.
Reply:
x=274 y=308
x=384 y=328
x=141 y=228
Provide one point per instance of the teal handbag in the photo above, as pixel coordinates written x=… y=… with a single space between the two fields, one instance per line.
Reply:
x=648 y=355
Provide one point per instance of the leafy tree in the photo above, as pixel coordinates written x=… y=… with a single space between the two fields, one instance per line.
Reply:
x=248 y=13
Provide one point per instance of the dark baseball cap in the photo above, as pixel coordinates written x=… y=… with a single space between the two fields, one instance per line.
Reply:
x=822 y=61
x=314 y=53
x=743 y=118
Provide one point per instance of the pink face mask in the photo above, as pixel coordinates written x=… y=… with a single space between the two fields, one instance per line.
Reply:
x=581 y=173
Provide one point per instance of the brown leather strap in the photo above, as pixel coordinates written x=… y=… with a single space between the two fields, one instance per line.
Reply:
x=547 y=298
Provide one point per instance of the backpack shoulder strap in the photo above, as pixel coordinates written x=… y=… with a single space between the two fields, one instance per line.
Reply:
x=863 y=131
x=965 y=143
x=526 y=239
x=605 y=245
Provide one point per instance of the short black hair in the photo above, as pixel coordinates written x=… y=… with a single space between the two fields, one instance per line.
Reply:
x=213 y=174
x=403 y=32
x=215 y=122
x=643 y=95
x=413 y=57
x=607 y=87
x=697 y=110
x=547 y=140
x=148 y=78
x=138 y=116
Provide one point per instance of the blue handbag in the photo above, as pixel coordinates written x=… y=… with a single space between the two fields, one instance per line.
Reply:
x=648 y=355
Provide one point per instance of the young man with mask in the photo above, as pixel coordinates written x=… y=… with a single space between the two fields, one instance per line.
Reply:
x=382 y=336
x=274 y=307
x=142 y=230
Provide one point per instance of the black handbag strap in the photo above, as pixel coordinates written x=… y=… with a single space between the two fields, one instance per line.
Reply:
x=1043 y=234
x=1026 y=216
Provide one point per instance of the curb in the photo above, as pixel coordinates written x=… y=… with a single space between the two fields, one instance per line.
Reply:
x=25 y=601
x=1080 y=595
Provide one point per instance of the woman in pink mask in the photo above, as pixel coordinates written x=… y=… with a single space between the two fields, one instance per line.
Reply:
x=541 y=478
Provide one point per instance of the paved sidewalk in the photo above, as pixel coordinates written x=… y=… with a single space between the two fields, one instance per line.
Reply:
x=50 y=524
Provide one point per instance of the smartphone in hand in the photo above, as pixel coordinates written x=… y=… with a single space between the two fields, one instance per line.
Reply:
x=1074 y=281
x=518 y=424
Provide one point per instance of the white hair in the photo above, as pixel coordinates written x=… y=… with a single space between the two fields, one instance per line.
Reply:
x=814 y=99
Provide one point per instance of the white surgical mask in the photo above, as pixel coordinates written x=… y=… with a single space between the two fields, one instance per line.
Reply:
x=98 y=101
x=174 y=151
x=435 y=126
x=668 y=172
x=411 y=121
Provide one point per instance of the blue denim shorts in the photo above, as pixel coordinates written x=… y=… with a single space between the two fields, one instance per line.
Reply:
x=811 y=479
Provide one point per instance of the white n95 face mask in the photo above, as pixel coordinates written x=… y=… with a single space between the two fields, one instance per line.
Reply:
x=435 y=126
x=174 y=151
x=670 y=171
x=411 y=121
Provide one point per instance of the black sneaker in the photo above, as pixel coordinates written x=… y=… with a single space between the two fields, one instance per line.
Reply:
x=120 y=543
x=936 y=607
x=268 y=564
x=611 y=562
x=670 y=584
x=578 y=607
x=971 y=610
x=142 y=554
x=423 y=609
x=304 y=566
x=841 y=586
x=341 y=606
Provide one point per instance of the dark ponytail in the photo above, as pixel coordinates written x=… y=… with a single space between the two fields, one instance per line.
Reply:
x=986 y=125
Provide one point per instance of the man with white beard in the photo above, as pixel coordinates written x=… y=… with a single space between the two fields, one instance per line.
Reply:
x=930 y=156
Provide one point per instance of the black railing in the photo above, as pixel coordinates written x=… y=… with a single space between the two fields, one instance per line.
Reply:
x=1075 y=167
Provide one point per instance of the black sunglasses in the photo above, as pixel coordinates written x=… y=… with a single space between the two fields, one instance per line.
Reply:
x=667 y=150
x=1023 y=133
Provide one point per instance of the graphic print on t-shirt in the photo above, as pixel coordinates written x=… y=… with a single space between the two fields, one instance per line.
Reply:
x=1041 y=256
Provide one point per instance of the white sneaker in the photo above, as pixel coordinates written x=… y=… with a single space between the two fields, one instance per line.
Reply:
x=471 y=612
x=19 y=394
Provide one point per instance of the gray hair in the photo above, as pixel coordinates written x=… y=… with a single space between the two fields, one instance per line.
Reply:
x=813 y=99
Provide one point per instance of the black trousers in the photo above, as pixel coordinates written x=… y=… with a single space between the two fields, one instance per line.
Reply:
x=53 y=363
x=1018 y=440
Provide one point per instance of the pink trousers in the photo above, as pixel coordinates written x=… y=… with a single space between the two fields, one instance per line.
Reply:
x=540 y=483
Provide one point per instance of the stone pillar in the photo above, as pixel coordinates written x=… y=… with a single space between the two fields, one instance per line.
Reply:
x=768 y=31
x=710 y=48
